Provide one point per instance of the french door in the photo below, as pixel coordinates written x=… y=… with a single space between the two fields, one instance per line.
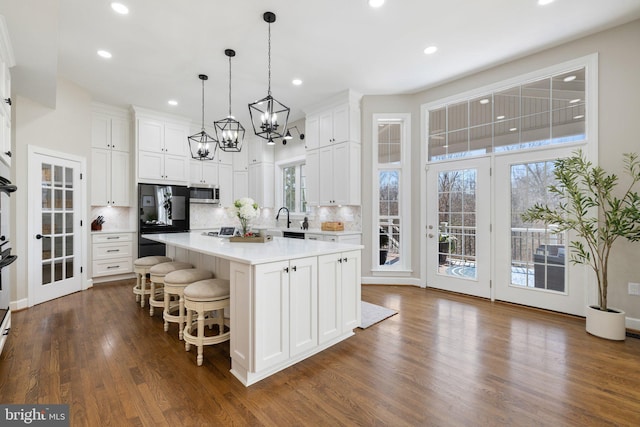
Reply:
x=458 y=228
x=55 y=243
x=531 y=262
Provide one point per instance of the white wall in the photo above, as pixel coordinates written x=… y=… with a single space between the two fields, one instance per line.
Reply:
x=66 y=129
x=619 y=88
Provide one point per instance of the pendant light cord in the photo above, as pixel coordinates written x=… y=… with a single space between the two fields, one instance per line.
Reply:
x=269 y=54
x=203 y=105
x=229 y=86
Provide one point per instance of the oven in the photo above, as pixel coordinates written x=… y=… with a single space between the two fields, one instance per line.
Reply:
x=6 y=257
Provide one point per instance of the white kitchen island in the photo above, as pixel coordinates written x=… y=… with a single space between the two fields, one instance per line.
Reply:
x=290 y=298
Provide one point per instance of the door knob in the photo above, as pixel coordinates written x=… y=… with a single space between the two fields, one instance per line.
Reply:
x=430 y=236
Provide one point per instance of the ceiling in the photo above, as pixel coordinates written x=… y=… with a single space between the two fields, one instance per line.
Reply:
x=161 y=46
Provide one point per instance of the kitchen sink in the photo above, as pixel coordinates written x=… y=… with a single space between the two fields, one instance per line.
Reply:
x=292 y=234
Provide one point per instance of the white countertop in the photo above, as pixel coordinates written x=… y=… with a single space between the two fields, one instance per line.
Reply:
x=317 y=231
x=279 y=249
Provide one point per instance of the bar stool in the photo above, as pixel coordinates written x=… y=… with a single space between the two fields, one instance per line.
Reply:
x=157 y=274
x=202 y=297
x=174 y=284
x=141 y=267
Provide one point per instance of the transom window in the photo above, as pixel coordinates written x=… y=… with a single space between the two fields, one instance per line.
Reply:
x=545 y=111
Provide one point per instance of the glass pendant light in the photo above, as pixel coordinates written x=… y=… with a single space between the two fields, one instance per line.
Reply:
x=269 y=116
x=229 y=131
x=201 y=144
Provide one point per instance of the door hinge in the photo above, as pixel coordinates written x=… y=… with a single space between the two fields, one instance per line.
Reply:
x=490 y=171
x=490 y=284
x=80 y=223
x=81 y=269
x=80 y=175
x=490 y=228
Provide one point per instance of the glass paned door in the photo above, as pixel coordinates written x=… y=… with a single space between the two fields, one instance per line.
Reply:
x=458 y=230
x=531 y=266
x=56 y=219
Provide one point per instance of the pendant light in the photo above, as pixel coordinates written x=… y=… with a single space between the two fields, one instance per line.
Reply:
x=201 y=145
x=229 y=131
x=269 y=117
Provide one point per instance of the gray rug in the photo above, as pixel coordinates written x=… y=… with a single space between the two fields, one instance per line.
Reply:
x=372 y=314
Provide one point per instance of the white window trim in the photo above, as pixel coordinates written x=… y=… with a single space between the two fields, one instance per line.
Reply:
x=279 y=166
x=404 y=266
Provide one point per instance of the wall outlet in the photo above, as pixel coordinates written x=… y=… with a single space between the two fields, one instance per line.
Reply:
x=634 y=288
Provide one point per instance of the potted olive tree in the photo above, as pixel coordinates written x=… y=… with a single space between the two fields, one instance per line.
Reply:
x=592 y=205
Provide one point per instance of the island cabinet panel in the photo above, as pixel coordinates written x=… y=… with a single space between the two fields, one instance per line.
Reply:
x=242 y=309
x=271 y=296
x=351 y=289
x=303 y=312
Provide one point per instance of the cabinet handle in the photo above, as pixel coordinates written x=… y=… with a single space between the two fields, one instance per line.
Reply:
x=8 y=153
x=6 y=331
x=294 y=268
x=7 y=101
x=113 y=237
x=286 y=269
x=344 y=260
x=113 y=266
x=113 y=250
x=340 y=260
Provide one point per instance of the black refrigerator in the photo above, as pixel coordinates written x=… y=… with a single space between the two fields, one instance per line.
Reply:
x=163 y=209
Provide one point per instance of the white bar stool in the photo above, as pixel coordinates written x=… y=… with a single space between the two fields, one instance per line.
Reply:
x=174 y=284
x=202 y=297
x=141 y=267
x=156 y=277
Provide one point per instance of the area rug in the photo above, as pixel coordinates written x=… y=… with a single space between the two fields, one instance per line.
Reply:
x=372 y=314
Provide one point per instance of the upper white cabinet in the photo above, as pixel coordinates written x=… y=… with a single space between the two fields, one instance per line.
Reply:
x=333 y=151
x=203 y=172
x=162 y=147
x=261 y=184
x=333 y=122
x=259 y=151
x=110 y=157
x=6 y=61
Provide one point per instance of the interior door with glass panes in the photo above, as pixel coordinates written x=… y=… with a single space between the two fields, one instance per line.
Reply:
x=458 y=228
x=532 y=262
x=54 y=201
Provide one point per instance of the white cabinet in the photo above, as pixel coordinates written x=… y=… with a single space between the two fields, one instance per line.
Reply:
x=259 y=151
x=241 y=160
x=203 y=172
x=162 y=150
x=285 y=310
x=353 y=239
x=337 y=124
x=261 y=183
x=110 y=160
x=240 y=184
x=110 y=183
x=338 y=294
x=333 y=175
x=112 y=253
x=225 y=181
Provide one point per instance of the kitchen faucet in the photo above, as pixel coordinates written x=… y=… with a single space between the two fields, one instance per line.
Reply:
x=278 y=215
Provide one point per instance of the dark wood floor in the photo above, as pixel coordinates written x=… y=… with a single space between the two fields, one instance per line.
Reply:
x=444 y=360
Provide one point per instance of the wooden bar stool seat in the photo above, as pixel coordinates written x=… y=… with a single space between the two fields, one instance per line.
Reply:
x=174 y=284
x=141 y=268
x=206 y=296
x=156 y=277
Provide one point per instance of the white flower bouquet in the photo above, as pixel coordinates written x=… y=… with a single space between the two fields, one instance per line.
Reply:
x=245 y=209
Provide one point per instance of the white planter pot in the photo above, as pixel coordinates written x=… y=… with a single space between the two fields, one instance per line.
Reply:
x=606 y=324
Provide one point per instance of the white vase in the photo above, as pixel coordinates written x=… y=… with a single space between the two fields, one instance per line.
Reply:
x=606 y=324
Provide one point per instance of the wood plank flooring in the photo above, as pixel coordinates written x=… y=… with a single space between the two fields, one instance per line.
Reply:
x=444 y=360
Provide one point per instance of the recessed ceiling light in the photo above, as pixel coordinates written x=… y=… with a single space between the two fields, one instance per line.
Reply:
x=484 y=101
x=296 y=82
x=376 y=3
x=172 y=102
x=104 y=54
x=513 y=129
x=570 y=78
x=500 y=117
x=430 y=50
x=573 y=101
x=580 y=116
x=544 y=2
x=120 y=8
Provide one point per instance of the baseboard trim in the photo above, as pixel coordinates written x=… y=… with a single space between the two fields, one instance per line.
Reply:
x=632 y=323
x=19 y=305
x=380 y=280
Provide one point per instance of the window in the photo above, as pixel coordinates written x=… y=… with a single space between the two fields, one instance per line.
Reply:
x=294 y=191
x=543 y=111
x=392 y=173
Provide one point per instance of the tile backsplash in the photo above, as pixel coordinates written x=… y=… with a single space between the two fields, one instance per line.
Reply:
x=116 y=218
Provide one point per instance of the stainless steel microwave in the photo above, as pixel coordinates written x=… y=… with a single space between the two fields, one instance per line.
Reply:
x=205 y=195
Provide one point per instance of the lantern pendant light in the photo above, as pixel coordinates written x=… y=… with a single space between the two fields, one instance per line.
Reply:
x=269 y=117
x=229 y=131
x=201 y=144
